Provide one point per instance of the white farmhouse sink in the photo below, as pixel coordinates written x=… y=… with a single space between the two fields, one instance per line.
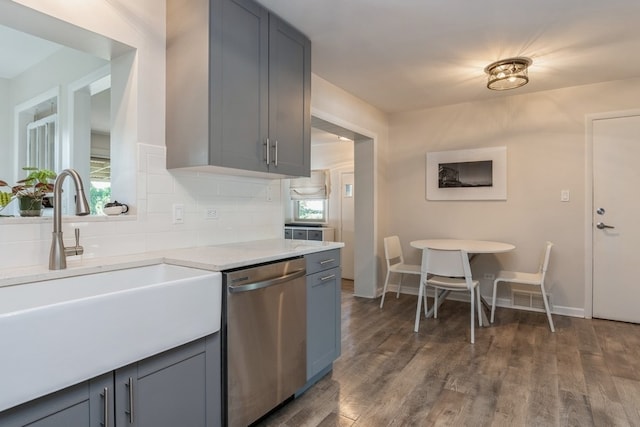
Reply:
x=59 y=332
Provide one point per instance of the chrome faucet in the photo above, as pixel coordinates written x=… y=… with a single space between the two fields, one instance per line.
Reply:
x=58 y=254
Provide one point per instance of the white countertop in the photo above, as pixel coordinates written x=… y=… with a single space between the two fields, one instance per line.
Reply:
x=213 y=258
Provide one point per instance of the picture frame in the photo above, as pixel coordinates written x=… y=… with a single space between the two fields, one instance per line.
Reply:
x=473 y=174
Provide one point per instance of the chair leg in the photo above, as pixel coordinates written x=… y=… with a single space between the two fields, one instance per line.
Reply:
x=479 y=307
x=473 y=321
x=384 y=290
x=420 y=293
x=493 y=300
x=546 y=307
x=424 y=299
x=436 y=291
x=399 y=285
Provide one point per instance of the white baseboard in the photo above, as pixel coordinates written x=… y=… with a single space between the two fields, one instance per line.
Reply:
x=500 y=302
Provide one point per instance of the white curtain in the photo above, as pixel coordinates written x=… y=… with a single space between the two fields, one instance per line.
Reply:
x=316 y=187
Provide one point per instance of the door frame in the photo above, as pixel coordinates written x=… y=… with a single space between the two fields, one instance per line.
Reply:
x=365 y=169
x=341 y=235
x=588 y=218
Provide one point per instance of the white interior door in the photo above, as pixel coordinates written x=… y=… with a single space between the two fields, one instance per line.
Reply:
x=616 y=179
x=347 y=223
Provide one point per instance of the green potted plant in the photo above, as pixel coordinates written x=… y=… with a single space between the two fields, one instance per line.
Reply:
x=29 y=191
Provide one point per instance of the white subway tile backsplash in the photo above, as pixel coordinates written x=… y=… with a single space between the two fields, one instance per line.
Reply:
x=160 y=183
x=248 y=209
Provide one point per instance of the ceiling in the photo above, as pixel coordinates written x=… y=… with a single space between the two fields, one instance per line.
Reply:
x=413 y=54
x=20 y=51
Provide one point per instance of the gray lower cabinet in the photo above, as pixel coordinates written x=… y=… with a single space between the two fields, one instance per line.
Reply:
x=89 y=403
x=238 y=89
x=179 y=387
x=323 y=312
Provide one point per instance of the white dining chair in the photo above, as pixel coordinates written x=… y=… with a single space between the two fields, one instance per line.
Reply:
x=448 y=270
x=534 y=279
x=396 y=264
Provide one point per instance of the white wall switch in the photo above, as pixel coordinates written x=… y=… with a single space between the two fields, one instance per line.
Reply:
x=178 y=214
x=564 y=195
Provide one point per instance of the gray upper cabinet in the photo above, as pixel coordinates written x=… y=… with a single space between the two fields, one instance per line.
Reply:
x=238 y=89
x=289 y=99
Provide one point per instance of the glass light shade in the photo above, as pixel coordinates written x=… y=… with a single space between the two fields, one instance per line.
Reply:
x=508 y=73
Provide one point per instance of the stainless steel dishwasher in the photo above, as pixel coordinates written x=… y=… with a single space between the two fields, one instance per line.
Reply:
x=264 y=336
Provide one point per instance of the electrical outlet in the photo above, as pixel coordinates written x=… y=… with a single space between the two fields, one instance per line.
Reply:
x=211 y=213
x=489 y=276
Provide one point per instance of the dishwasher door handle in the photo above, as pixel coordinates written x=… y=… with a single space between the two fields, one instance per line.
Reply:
x=266 y=283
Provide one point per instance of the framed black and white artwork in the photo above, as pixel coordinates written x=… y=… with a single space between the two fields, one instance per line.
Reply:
x=474 y=174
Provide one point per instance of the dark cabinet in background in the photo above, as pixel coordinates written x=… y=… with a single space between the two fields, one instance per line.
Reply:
x=238 y=89
x=309 y=233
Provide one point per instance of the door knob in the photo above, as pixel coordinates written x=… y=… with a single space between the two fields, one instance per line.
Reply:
x=602 y=226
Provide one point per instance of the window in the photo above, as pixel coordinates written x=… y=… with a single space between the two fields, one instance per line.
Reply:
x=310 y=210
x=309 y=197
x=100 y=188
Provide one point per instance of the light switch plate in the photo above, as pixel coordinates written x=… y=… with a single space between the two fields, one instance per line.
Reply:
x=564 y=195
x=178 y=214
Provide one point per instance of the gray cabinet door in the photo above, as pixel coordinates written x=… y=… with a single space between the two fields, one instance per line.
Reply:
x=289 y=99
x=323 y=319
x=300 y=234
x=238 y=88
x=324 y=260
x=239 y=84
x=314 y=235
x=180 y=387
x=80 y=405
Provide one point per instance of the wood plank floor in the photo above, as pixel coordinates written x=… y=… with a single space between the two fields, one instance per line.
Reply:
x=517 y=373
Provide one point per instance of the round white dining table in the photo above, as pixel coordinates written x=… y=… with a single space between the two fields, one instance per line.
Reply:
x=472 y=247
x=469 y=246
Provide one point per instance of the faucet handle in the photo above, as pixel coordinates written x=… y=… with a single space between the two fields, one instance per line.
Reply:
x=76 y=249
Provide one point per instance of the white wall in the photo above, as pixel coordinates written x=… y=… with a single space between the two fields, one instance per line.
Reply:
x=337 y=106
x=545 y=138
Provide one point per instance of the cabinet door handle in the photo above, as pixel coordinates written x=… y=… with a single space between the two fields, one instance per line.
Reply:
x=105 y=409
x=327 y=261
x=129 y=385
x=322 y=279
x=267 y=148
x=275 y=155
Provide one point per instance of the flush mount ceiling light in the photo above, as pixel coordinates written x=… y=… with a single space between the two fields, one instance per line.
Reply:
x=508 y=73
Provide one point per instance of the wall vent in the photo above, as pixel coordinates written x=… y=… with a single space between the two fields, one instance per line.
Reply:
x=528 y=297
